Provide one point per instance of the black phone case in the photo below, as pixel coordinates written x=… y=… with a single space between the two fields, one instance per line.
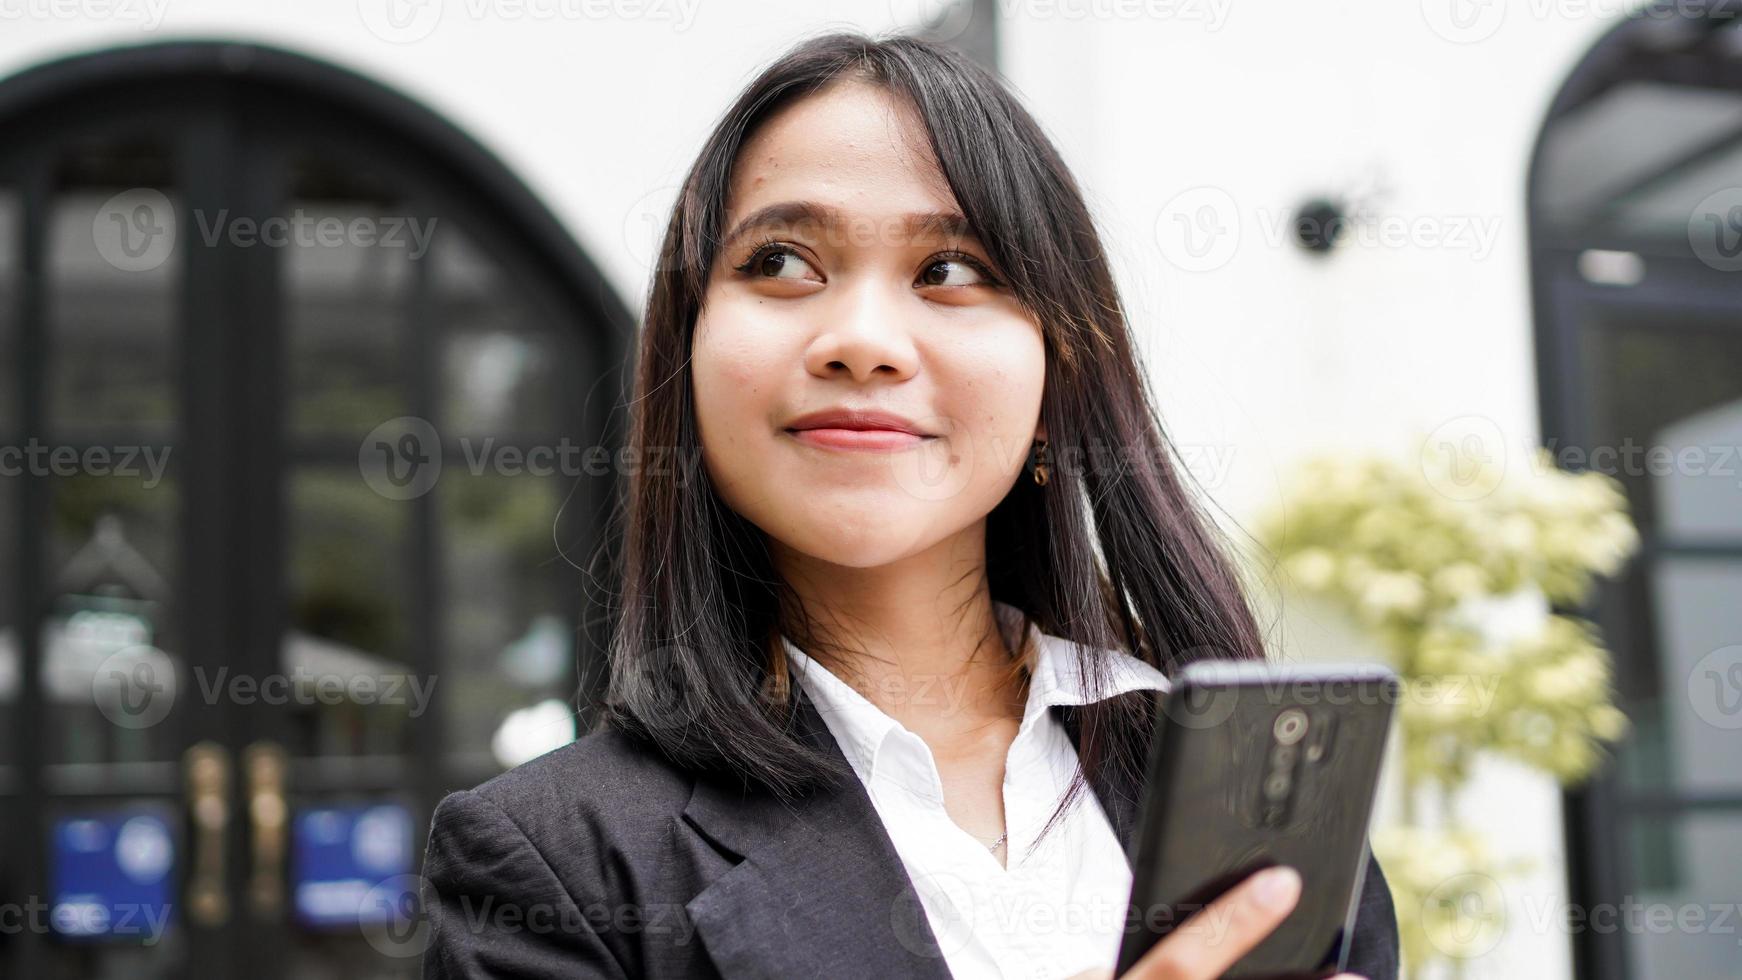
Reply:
x=1212 y=812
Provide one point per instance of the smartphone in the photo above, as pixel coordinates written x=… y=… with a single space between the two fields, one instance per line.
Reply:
x=1252 y=765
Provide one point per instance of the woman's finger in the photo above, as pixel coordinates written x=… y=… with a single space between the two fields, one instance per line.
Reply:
x=1205 y=945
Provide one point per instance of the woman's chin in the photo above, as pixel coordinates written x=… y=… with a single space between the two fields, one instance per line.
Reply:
x=859 y=543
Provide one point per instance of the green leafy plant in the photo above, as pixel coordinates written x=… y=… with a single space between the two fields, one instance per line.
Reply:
x=1454 y=570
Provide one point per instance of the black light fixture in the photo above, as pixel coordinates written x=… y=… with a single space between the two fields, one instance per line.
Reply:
x=1318 y=224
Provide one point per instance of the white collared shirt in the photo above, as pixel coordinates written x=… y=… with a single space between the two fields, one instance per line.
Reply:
x=1058 y=908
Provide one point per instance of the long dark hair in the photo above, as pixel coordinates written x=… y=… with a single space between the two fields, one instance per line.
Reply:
x=1112 y=552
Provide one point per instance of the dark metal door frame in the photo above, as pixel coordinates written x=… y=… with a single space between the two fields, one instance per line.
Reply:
x=227 y=110
x=1595 y=814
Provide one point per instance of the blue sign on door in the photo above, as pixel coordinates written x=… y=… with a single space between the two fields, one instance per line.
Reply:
x=343 y=861
x=112 y=876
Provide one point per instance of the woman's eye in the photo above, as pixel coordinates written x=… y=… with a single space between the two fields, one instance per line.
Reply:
x=952 y=272
x=778 y=262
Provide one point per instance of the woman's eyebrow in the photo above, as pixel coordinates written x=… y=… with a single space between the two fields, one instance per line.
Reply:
x=919 y=224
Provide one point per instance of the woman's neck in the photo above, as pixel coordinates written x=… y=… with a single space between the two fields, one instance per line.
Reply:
x=919 y=638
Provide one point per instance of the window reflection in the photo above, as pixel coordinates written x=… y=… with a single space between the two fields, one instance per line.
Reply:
x=510 y=637
x=348 y=580
x=114 y=266
x=348 y=300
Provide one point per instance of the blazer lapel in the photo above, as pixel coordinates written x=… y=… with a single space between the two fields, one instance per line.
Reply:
x=820 y=889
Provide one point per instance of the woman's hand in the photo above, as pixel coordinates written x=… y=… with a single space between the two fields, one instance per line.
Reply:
x=1205 y=945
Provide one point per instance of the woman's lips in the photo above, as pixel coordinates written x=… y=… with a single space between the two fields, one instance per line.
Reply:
x=866 y=440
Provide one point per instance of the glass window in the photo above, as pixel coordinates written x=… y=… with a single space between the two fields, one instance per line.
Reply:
x=115 y=263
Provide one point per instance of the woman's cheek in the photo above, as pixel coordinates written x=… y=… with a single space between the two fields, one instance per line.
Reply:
x=742 y=351
x=731 y=380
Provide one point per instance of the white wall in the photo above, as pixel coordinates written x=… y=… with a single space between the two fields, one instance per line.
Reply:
x=1260 y=353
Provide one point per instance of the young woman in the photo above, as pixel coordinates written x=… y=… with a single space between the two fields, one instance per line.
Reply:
x=884 y=662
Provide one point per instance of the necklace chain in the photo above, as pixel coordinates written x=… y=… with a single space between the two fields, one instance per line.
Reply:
x=1001 y=838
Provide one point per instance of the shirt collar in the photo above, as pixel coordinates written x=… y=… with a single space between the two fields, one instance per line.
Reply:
x=861 y=727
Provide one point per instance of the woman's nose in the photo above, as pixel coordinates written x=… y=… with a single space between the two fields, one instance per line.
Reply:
x=864 y=331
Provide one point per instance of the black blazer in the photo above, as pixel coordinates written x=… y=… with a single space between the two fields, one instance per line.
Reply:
x=600 y=859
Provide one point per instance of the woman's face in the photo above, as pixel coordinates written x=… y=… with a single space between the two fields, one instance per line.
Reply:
x=845 y=297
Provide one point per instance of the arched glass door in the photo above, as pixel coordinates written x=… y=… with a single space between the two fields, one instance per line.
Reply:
x=1636 y=233
x=299 y=392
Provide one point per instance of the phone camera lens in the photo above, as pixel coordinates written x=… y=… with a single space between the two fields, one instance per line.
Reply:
x=1290 y=726
x=1282 y=757
x=1276 y=787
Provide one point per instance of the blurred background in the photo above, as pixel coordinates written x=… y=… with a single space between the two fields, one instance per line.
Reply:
x=314 y=322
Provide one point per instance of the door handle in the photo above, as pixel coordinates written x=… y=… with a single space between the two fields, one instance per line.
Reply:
x=206 y=766
x=263 y=766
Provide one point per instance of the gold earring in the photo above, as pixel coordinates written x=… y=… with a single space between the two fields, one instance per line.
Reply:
x=1040 y=472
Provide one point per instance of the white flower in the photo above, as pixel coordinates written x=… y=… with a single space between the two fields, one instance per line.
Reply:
x=1313 y=568
x=1393 y=592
